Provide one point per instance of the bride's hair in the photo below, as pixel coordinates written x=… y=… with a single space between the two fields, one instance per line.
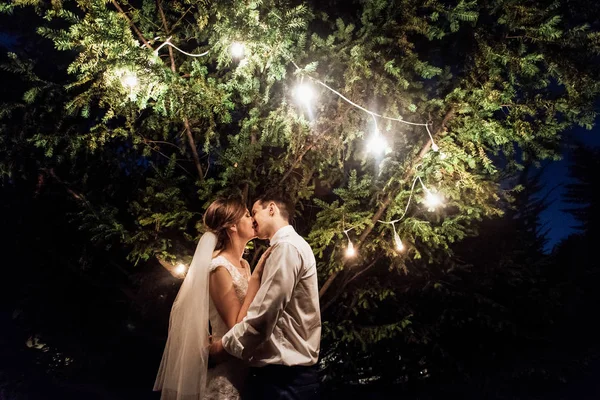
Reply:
x=221 y=215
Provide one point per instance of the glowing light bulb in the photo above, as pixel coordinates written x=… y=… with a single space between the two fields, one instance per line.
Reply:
x=129 y=80
x=304 y=93
x=443 y=156
x=350 y=252
x=432 y=200
x=180 y=269
x=377 y=144
x=435 y=147
x=398 y=242
x=237 y=50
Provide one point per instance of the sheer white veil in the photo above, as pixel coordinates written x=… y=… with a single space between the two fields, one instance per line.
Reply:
x=183 y=368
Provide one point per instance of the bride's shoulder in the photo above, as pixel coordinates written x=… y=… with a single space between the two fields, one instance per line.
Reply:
x=219 y=261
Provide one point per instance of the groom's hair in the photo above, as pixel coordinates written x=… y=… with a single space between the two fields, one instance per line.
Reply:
x=284 y=203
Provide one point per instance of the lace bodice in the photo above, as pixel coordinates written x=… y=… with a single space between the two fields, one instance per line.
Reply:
x=240 y=285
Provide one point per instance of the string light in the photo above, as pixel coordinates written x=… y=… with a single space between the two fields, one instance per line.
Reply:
x=377 y=144
x=304 y=93
x=168 y=43
x=432 y=200
x=350 y=251
x=397 y=242
x=237 y=50
x=129 y=80
x=180 y=269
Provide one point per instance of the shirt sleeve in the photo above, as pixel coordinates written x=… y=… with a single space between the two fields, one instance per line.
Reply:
x=278 y=281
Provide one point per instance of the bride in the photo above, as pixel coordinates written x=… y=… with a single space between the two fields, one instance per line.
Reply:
x=218 y=287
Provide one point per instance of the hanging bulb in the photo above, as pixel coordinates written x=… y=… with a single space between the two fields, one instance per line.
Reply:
x=432 y=200
x=237 y=50
x=129 y=80
x=435 y=147
x=443 y=156
x=304 y=93
x=398 y=242
x=377 y=144
x=180 y=269
x=350 y=252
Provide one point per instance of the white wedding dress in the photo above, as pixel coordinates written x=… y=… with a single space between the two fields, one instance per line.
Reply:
x=226 y=380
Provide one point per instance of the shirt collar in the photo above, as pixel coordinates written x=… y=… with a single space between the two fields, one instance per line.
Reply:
x=281 y=233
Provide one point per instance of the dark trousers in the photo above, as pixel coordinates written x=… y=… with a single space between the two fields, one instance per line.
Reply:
x=280 y=382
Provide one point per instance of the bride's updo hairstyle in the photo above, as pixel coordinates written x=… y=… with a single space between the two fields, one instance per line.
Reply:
x=221 y=215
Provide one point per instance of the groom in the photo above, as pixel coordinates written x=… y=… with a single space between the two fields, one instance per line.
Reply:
x=281 y=335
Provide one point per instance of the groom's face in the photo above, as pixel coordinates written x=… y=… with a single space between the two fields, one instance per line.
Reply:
x=261 y=218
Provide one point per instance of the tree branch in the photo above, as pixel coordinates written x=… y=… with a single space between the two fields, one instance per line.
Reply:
x=346 y=283
x=296 y=162
x=168 y=32
x=192 y=143
x=135 y=29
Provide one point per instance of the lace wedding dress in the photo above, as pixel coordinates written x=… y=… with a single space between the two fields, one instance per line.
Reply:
x=226 y=380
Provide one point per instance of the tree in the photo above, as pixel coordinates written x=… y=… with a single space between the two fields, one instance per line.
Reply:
x=582 y=194
x=142 y=135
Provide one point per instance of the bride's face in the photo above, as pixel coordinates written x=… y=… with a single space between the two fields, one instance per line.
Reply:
x=245 y=227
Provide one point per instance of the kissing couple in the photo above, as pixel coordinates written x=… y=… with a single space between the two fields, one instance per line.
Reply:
x=265 y=325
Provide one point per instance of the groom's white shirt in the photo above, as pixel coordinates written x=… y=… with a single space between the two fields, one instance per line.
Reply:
x=283 y=324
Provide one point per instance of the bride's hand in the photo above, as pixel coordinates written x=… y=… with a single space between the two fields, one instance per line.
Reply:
x=261 y=264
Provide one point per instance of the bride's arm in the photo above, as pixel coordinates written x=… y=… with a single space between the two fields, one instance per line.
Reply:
x=223 y=296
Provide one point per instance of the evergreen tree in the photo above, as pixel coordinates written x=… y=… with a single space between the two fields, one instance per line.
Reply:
x=582 y=194
x=142 y=136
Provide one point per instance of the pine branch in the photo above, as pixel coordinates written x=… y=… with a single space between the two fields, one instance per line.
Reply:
x=135 y=28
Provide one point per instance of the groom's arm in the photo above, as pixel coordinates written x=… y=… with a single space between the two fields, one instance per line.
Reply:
x=278 y=282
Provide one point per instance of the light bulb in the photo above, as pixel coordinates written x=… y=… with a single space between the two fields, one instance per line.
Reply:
x=432 y=200
x=398 y=242
x=180 y=269
x=443 y=156
x=304 y=93
x=377 y=144
x=350 y=252
x=237 y=50
x=129 y=80
x=435 y=147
